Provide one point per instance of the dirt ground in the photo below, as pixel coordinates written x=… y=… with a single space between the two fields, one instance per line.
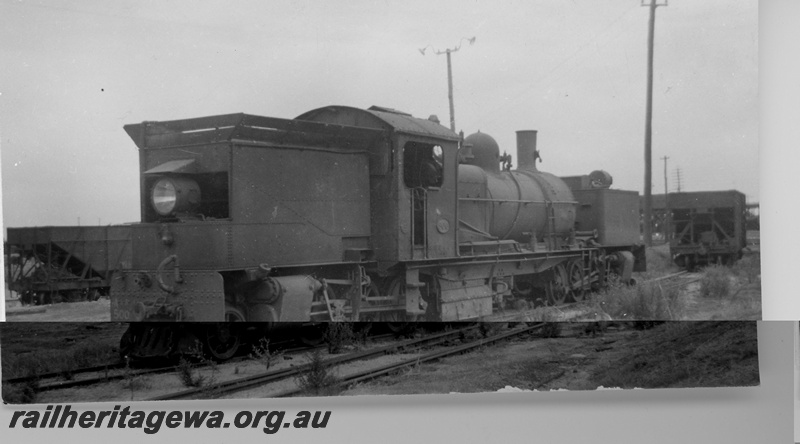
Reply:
x=722 y=353
x=48 y=346
x=96 y=311
x=677 y=354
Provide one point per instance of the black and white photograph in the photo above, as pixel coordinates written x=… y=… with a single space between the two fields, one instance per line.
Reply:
x=267 y=199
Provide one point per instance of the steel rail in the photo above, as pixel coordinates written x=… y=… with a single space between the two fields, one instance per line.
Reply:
x=681 y=274
x=59 y=374
x=117 y=366
x=275 y=375
x=374 y=373
x=59 y=385
x=669 y=276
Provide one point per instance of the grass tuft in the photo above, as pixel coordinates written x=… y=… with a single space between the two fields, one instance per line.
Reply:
x=644 y=302
x=188 y=368
x=133 y=381
x=716 y=282
x=748 y=269
x=339 y=335
x=319 y=379
x=262 y=354
x=188 y=374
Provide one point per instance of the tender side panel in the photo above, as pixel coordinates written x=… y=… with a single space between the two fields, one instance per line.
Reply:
x=286 y=198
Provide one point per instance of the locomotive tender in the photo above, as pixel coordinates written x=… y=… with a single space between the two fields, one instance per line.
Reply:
x=361 y=215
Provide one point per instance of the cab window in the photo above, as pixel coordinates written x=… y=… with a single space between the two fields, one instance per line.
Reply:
x=423 y=165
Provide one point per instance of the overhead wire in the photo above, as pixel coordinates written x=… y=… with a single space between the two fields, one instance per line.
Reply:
x=550 y=74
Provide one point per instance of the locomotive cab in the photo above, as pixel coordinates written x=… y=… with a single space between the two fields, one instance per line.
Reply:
x=412 y=182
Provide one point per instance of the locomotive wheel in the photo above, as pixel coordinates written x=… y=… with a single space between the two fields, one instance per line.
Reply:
x=312 y=335
x=576 y=281
x=127 y=343
x=371 y=290
x=523 y=288
x=559 y=286
x=395 y=321
x=223 y=339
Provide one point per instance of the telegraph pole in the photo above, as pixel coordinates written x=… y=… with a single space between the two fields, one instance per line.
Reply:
x=666 y=202
x=449 y=51
x=648 y=128
x=450 y=91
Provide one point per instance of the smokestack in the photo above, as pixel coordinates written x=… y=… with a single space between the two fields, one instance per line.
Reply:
x=526 y=150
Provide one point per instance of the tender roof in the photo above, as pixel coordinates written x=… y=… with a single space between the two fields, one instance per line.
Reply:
x=247 y=127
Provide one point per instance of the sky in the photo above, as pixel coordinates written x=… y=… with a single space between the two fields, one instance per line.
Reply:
x=74 y=72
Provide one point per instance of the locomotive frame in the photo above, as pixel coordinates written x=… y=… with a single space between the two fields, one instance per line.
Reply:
x=353 y=214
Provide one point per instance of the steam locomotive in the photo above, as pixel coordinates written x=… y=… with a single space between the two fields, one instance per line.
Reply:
x=347 y=214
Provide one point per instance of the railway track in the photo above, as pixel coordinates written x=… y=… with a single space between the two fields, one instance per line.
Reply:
x=67 y=376
x=432 y=356
x=408 y=346
x=115 y=371
x=121 y=371
x=679 y=279
x=118 y=371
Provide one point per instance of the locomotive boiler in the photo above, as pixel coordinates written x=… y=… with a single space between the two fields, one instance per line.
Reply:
x=520 y=205
x=349 y=214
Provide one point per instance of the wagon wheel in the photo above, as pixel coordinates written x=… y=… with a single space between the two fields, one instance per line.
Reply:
x=94 y=294
x=27 y=298
x=576 y=280
x=223 y=339
x=559 y=288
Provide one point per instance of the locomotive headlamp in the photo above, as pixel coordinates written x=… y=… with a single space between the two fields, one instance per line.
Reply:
x=172 y=195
